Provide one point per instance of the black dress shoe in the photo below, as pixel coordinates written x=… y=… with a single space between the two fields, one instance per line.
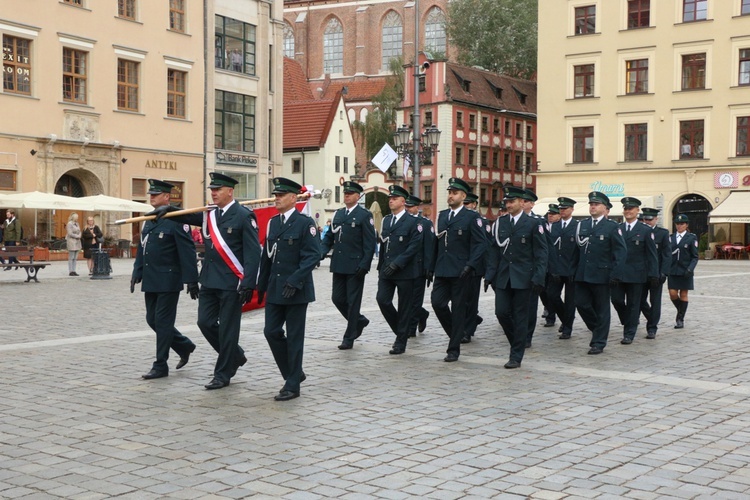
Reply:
x=216 y=384
x=360 y=327
x=154 y=374
x=423 y=323
x=397 y=349
x=466 y=339
x=412 y=335
x=548 y=324
x=651 y=335
x=595 y=350
x=679 y=324
x=346 y=345
x=286 y=395
x=626 y=341
x=512 y=364
x=184 y=359
x=564 y=336
x=528 y=345
x=560 y=329
x=480 y=320
x=242 y=362
x=450 y=358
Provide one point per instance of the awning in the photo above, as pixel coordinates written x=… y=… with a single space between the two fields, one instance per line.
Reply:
x=735 y=208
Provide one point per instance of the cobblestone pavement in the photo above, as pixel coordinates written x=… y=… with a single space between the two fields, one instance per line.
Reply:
x=664 y=418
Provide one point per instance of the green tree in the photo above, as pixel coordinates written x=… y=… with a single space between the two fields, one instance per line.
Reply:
x=378 y=127
x=498 y=35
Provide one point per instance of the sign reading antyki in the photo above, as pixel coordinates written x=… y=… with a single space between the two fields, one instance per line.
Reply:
x=166 y=165
x=237 y=159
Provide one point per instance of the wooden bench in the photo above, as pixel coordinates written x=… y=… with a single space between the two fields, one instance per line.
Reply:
x=25 y=258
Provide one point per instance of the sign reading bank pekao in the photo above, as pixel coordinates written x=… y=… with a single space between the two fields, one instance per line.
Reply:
x=236 y=159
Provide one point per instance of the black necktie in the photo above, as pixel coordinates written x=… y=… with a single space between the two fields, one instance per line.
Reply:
x=393 y=220
x=593 y=223
x=563 y=225
x=513 y=222
x=283 y=220
x=218 y=214
x=450 y=216
x=627 y=228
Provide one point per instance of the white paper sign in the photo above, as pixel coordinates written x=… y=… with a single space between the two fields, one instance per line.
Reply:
x=385 y=157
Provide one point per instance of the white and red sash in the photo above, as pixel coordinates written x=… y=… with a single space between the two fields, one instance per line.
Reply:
x=221 y=246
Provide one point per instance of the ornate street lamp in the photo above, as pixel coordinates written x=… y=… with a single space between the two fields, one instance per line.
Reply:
x=419 y=148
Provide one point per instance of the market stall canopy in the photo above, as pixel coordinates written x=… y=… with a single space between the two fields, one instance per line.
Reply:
x=106 y=203
x=42 y=201
x=735 y=208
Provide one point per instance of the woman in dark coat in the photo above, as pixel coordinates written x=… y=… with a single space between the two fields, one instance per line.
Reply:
x=684 y=260
x=91 y=235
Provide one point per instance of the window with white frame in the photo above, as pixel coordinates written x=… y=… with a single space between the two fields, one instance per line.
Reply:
x=582 y=70
x=434 y=31
x=392 y=38
x=333 y=47
x=693 y=62
x=288 y=41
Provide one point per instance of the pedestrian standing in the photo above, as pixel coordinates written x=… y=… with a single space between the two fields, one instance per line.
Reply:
x=399 y=265
x=73 y=241
x=598 y=259
x=164 y=262
x=651 y=298
x=426 y=258
x=517 y=264
x=291 y=253
x=561 y=270
x=684 y=259
x=351 y=240
x=11 y=234
x=459 y=248
x=641 y=268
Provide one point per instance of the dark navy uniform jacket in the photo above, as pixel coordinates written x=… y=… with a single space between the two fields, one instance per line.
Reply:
x=352 y=238
x=460 y=242
x=563 y=247
x=684 y=254
x=401 y=245
x=239 y=229
x=290 y=254
x=663 y=250
x=641 y=262
x=166 y=257
x=600 y=252
x=426 y=257
x=518 y=255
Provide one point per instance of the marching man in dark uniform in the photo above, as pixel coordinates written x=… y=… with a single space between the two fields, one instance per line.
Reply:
x=516 y=265
x=352 y=238
x=529 y=199
x=426 y=258
x=228 y=273
x=460 y=247
x=552 y=216
x=684 y=259
x=641 y=268
x=473 y=319
x=291 y=253
x=561 y=270
x=651 y=298
x=598 y=259
x=164 y=262
x=399 y=265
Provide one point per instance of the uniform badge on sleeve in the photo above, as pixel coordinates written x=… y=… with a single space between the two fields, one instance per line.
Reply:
x=419 y=227
x=186 y=228
x=487 y=228
x=619 y=231
x=255 y=224
x=479 y=222
x=541 y=229
x=313 y=231
x=652 y=236
x=696 y=243
x=432 y=229
x=372 y=222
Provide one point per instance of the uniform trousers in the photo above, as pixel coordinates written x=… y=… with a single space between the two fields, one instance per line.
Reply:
x=626 y=297
x=346 y=295
x=592 y=302
x=546 y=302
x=161 y=312
x=565 y=309
x=287 y=350
x=512 y=309
x=454 y=291
x=472 y=314
x=651 y=306
x=533 y=306
x=399 y=319
x=219 y=315
x=418 y=310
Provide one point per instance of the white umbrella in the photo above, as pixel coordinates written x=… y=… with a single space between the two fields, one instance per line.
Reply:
x=105 y=203
x=39 y=200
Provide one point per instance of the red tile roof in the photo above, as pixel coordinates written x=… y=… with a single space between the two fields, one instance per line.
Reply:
x=307 y=123
x=357 y=90
x=515 y=94
x=295 y=82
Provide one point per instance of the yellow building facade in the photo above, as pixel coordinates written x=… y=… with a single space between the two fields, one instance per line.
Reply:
x=649 y=99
